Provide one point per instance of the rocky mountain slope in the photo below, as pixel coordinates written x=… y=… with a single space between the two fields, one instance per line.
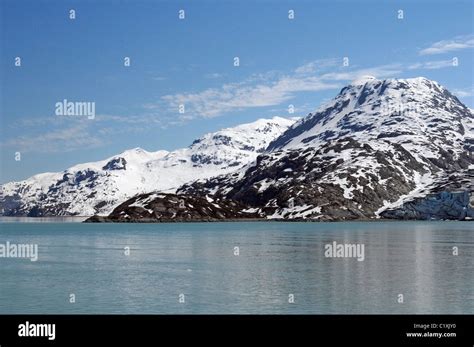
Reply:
x=165 y=207
x=397 y=148
x=96 y=188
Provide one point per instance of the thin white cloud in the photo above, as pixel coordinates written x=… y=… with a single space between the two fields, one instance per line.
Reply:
x=237 y=96
x=62 y=134
x=464 y=93
x=315 y=66
x=98 y=121
x=444 y=46
x=269 y=89
x=148 y=119
x=57 y=140
x=432 y=65
x=213 y=75
x=158 y=78
x=382 y=71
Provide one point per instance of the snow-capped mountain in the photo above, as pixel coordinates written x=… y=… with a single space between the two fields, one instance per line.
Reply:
x=397 y=148
x=96 y=188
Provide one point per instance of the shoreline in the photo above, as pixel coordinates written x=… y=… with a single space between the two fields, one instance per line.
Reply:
x=84 y=220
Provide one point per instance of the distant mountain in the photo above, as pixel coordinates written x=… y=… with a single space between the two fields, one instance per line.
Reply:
x=396 y=148
x=96 y=188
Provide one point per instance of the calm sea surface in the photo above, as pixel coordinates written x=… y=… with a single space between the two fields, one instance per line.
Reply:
x=276 y=262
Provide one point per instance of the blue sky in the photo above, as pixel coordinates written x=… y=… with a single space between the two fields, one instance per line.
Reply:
x=191 y=62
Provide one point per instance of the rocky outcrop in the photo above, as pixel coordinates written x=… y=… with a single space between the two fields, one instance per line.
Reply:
x=156 y=207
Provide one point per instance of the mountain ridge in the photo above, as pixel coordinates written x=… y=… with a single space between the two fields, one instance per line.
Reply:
x=378 y=146
x=97 y=187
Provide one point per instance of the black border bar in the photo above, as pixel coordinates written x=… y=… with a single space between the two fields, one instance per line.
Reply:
x=242 y=329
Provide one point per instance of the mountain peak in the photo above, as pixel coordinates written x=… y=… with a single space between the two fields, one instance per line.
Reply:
x=393 y=109
x=417 y=82
x=136 y=150
x=360 y=81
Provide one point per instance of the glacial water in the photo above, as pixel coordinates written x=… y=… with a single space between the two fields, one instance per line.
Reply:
x=261 y=267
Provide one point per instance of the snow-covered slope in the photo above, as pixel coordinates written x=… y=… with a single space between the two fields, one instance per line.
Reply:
x=377 y=145
x=96 y=188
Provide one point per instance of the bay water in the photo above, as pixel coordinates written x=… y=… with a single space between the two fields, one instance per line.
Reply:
x=238 y=268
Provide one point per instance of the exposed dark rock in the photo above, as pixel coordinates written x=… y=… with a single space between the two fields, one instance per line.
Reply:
x=157 y=207
x=116 y=164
